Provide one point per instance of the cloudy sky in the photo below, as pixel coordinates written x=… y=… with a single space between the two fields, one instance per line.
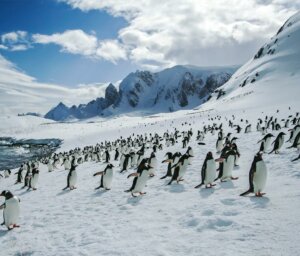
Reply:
x=71 y=42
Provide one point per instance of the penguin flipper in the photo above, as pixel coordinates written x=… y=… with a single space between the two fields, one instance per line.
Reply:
x=246 y=193
x=198 y=186
x=135 y=174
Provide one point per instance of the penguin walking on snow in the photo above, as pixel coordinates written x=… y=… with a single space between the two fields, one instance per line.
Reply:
x=257 y=176
x=180 y=168
x=208 y=171
x=265 y=142
x=106 y=177
x=226 y=166
x=72 y=176
x=296 y=143
x=140 y=178
x=278 y=142
x=34 y=179
x=11 y=210
x=152 y=161
x=219 y=144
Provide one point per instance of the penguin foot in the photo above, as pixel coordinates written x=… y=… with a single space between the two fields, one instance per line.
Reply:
x=107 y=189
x=2 y=224
x=16 y=226
x=259 y=194
x=234 y=178
x=133 y=195
x=210 y=186
x=142 y=193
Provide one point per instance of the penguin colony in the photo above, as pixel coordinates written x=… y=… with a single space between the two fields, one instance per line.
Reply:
x=130 y=153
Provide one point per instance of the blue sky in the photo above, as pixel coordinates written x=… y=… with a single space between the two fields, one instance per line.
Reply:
x=72 y=42
x=46 y=62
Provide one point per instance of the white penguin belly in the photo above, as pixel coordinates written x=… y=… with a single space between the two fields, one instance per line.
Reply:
x=182 y=171
x=141 y=182
x=210 y=172
x=219 y=145
x=260 y=177
x=107 y=179
x=228 y=166
x=34 y=180
x=281 y=140
x=267 y=144
x=11 y=211
x=73 y=179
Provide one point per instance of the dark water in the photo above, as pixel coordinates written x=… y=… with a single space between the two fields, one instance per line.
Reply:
x=14 y=152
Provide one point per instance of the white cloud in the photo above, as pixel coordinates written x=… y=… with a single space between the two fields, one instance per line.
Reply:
x=3 y=47
x=15 y=41
x=111 y=50
x=72 y=41
x=192 y=31
x=79 y=42
x=20 y=93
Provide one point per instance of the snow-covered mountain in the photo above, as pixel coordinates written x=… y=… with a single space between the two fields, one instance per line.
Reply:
x=270 y=78
x=169 y=90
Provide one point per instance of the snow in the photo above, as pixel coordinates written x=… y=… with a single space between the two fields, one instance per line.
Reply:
x=168 y=220
x=176 y=219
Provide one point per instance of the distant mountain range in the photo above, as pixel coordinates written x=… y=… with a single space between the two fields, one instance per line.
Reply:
x=169 y=90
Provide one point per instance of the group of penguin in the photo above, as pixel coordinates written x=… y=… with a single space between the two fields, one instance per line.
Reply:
x=130 y=153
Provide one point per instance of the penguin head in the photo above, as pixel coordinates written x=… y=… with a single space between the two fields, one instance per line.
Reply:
x=209 y=155
x=7 y=194
x=258 y=156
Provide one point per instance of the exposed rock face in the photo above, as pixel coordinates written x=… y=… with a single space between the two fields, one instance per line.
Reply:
x=168 y=90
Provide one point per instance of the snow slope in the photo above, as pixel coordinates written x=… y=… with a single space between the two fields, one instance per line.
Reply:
x=272 y=77
x=168 y=220
x=176 y=219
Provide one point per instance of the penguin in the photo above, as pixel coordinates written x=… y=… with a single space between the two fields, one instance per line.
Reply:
x=72 y=176
x=237 y=154
x=66 y=163
x=226 y=166
x=20 y=174
x=219 y=144
x=50 y=166
x=153 y=164
x=117 y=154
x=106 y=177
x=169 y=159
x=278 y=142
x=11 y=210
x=7 y=173
x=125 y=163
x=248 y=128
x=140 y=178
x=180 y=168
x=257 y=176
x=208 y=171
x=190 y=152
x=296 y=143
x=293 y=133
x=34 y=179
x=265 y=142
x=107 y=156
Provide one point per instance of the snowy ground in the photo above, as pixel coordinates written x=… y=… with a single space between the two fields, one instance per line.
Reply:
x=168 y=220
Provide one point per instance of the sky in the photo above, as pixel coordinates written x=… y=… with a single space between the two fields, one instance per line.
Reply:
x=81 y=42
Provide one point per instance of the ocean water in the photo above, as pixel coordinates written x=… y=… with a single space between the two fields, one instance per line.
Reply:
x=15 y=152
